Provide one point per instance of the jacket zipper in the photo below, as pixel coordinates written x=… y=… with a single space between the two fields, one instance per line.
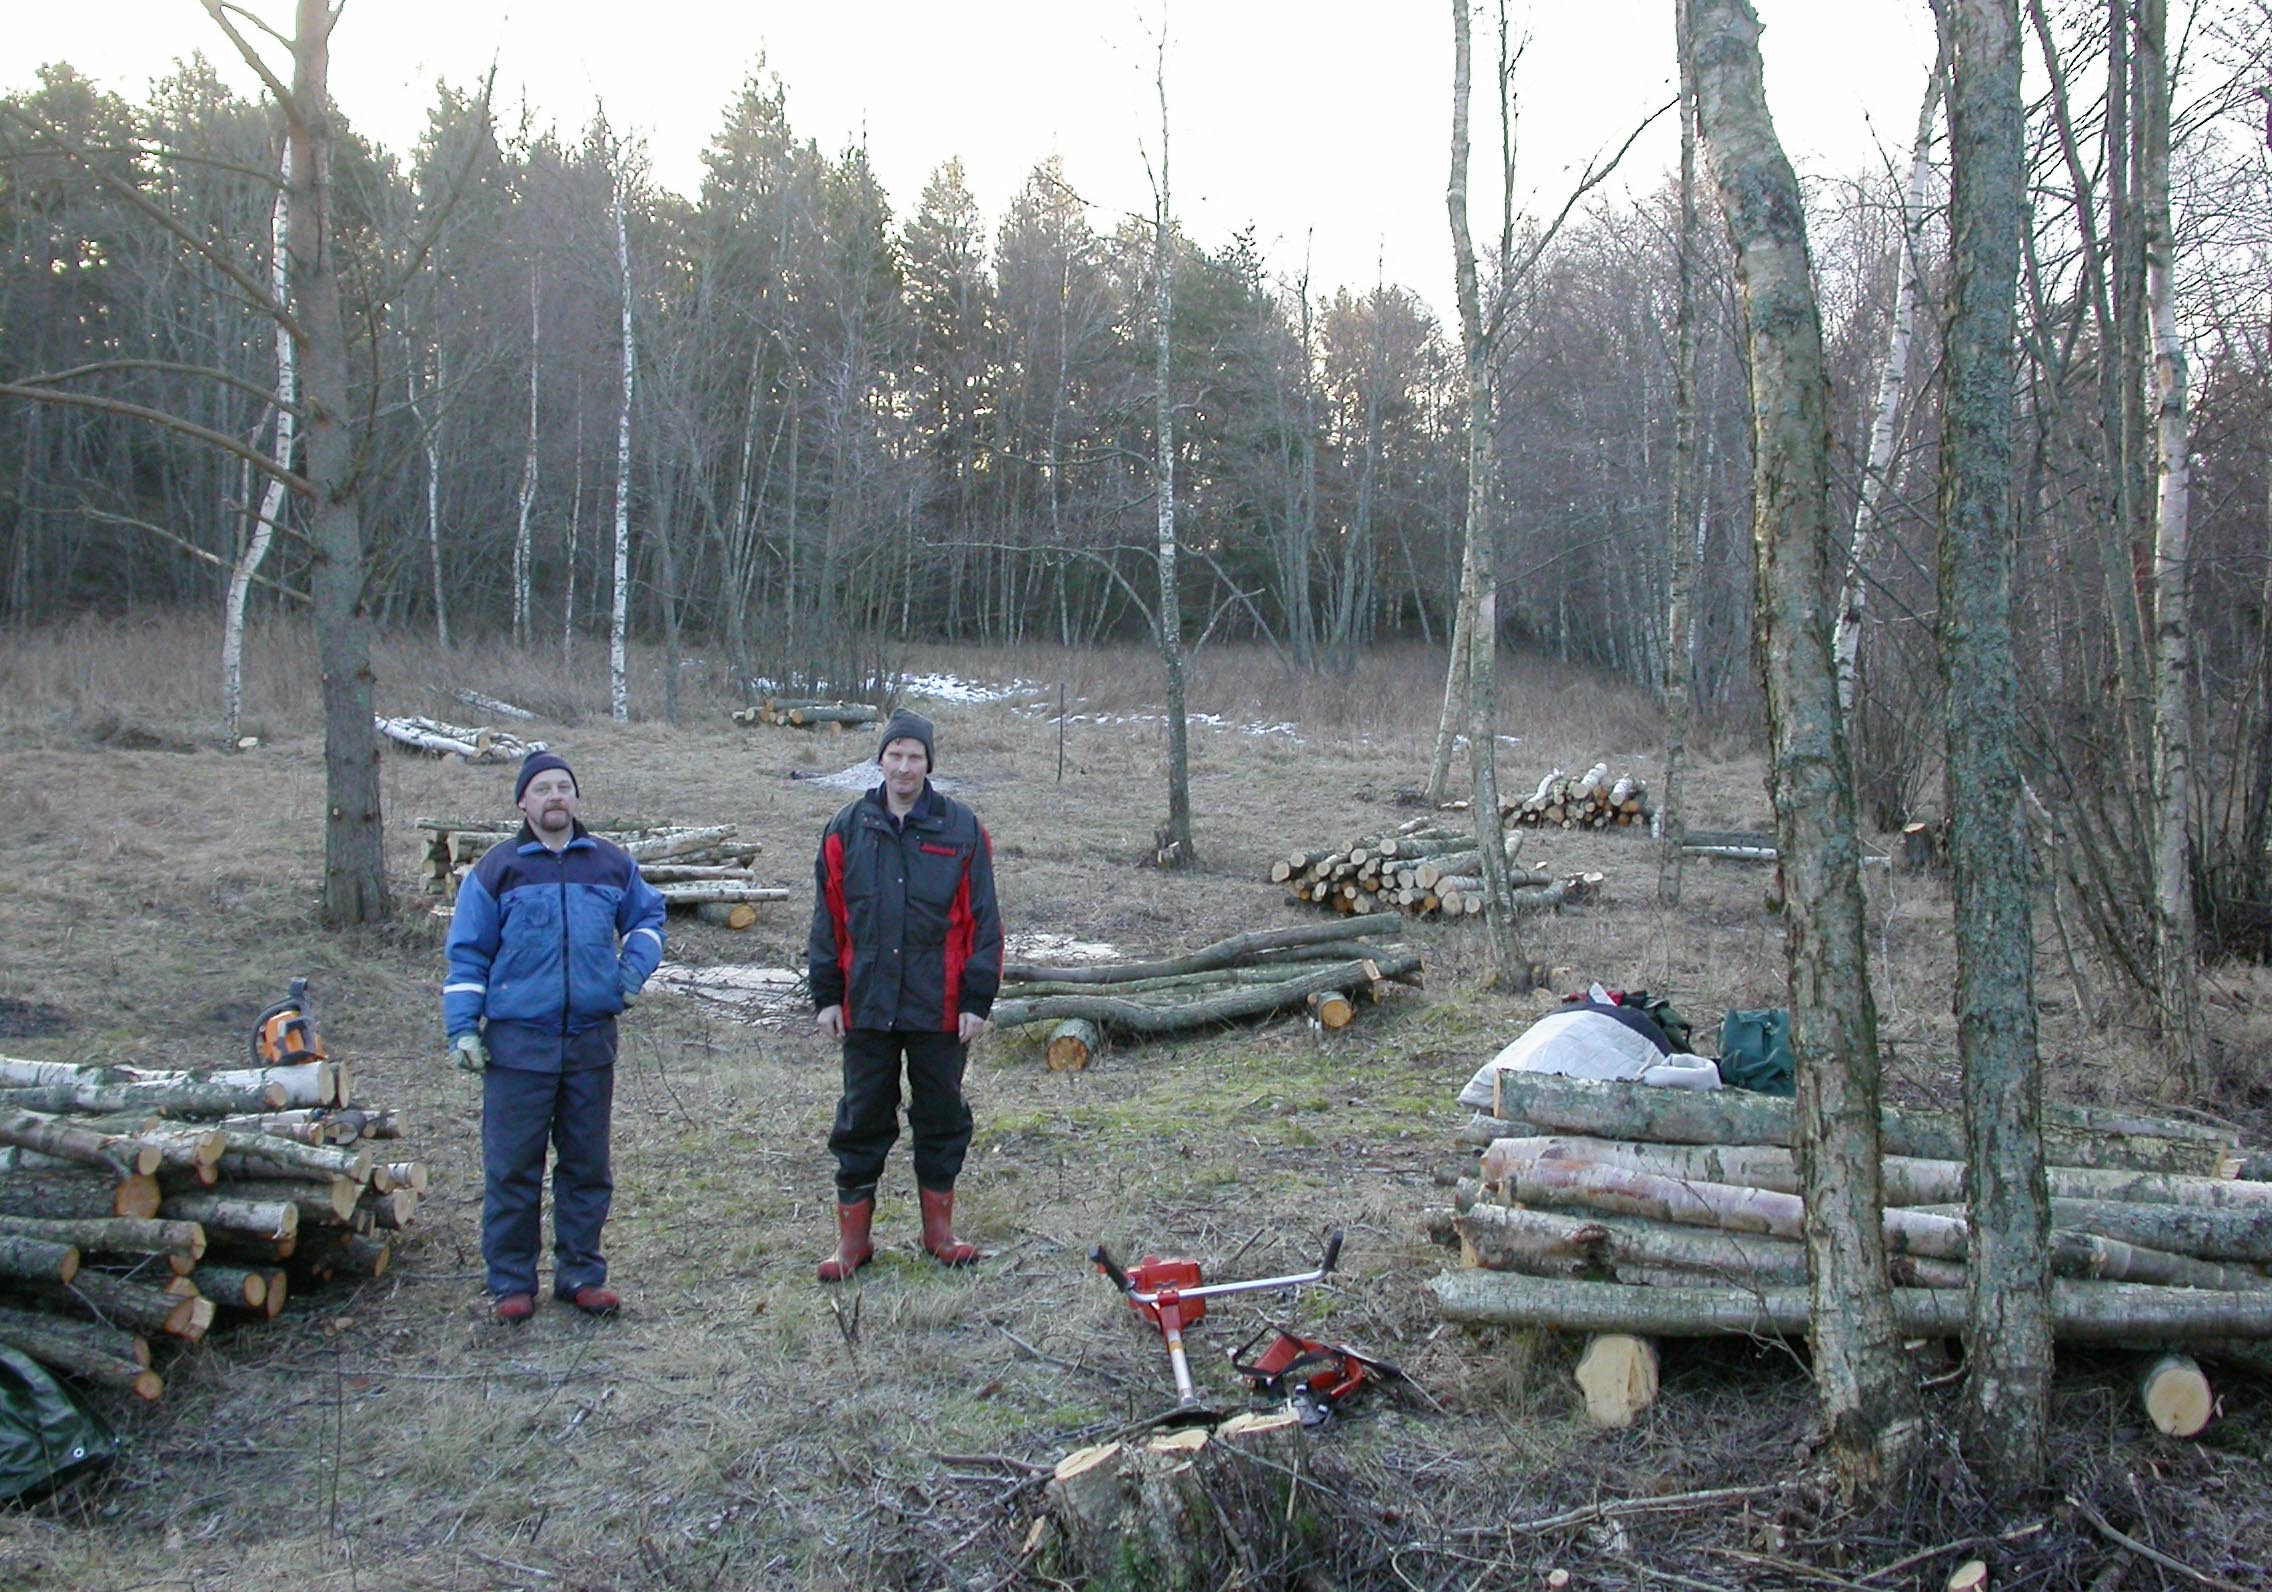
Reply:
x=560 y=861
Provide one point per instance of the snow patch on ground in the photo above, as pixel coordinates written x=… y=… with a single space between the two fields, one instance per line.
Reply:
x=867 y=776
x=773 y=996
x=1039 y=945
x=948 y=688
x=1212 y=721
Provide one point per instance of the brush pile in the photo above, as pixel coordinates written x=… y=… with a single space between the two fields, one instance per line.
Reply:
x=1644 y=1212
x=1421 y=869
x=473 y=743
x=1320 y=969
x=701 y=870
x=808 y=713
x=139 y=1205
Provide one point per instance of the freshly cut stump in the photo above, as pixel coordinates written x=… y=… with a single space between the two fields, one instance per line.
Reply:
x=1618 y=1375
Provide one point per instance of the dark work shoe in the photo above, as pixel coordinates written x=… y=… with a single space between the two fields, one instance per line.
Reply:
x=513 y=1310
x=595 y=1300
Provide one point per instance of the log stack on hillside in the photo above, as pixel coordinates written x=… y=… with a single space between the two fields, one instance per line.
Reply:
x=474 y=743
x=1322 y=969
x=809 y=713
x=139 y=1206
x=704 y=870
x=1422 y=869
x=1642 y=1213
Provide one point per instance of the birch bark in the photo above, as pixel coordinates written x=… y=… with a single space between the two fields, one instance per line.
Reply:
x=618 y=671
x=272 y=497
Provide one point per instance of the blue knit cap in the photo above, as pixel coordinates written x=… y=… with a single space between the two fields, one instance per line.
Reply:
x=536 y=763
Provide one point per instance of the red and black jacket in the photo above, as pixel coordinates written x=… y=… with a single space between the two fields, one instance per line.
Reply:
x=906 y=932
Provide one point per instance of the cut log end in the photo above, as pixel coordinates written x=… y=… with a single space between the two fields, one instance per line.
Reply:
x=2177 y=1396
x=1072 y=1044
x=1618 y=1375
x=1970 y=1576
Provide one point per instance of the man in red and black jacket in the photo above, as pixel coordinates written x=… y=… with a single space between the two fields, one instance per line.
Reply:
x=905 y=959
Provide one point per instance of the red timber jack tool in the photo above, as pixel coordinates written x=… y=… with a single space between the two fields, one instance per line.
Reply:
x=1170 y=1295
x=285 y=1034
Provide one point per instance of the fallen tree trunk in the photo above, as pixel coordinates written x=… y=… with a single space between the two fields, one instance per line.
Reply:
x=678 y=843
x=180 y=1243
x=183 y=1101
x=2081 y=1312
x=711 y=892
x=84 y=1349
x=1223 y=953
x=1137 y=1017
x=1909 y=1180
x=78 y=1193
x=736 y=915
x=1738 y=1116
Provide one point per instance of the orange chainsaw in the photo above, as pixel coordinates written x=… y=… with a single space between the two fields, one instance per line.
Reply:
x=285 y=1034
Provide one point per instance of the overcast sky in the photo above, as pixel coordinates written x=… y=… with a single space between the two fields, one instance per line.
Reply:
x=1323 y=123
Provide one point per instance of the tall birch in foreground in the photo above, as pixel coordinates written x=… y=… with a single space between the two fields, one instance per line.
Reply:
x=1687 y=496
x=272 y=496
x=618 y=671
x=2008 y=1270
x=1867 y=1402
x=1175 y=848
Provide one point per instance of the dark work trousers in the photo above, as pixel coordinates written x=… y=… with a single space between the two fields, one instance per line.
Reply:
x=867 y=1117
x=520 y=1112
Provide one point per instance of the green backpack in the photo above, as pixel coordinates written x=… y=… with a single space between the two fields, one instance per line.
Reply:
x=1755 y=1052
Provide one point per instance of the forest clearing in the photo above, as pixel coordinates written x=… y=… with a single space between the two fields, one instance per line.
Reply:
x=738 y=1424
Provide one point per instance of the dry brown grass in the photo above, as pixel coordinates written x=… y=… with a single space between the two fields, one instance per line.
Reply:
x=742 y=1427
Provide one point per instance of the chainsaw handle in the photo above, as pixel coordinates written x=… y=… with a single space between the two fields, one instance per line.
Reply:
x=1332 y=1252
x=1110 y=1267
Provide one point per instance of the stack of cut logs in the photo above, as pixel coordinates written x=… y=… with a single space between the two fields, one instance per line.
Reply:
x=1320 y=969
x=701 y=870
x=1592 y=800
x=1636 y=1213
x=808 y=713
x=137 y=1204
x=1422 y=869
x=475 y=743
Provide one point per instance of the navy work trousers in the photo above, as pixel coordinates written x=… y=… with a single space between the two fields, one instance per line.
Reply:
x=520 y=1113
x=867 y=1117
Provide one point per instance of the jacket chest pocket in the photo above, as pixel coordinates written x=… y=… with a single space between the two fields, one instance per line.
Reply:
x=934 y=873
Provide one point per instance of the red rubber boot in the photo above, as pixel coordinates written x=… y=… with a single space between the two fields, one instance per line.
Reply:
x=939 y=1229
x=853 y=1250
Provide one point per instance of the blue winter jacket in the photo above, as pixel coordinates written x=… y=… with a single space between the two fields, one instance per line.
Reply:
x=543 y=947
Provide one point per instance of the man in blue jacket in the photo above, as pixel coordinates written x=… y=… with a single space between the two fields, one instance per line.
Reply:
x=554 y=934
x=905 y=958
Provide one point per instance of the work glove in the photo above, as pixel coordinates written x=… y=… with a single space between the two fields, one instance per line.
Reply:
x=472 y=1055
x=630 y=994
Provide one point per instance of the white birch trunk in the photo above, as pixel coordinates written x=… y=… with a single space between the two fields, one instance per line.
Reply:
x=575 y=530
x=433 y=450
x=2178 y=971
x=271 y=500
x=619 y=690
x=526 y=501
x=1846 y=645
x=1177 y=852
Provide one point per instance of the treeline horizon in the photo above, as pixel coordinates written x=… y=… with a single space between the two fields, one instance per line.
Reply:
x=852 y=426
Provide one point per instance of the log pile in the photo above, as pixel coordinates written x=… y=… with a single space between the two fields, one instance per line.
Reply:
x=704 y=870
x=808 y=713
x=1595 y=799
x=1421 y=869
x=471 y=742
x=1320 y=969
x=1640 y=1213
x=139 y=1206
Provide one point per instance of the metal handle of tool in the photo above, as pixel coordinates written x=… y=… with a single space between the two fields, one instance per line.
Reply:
x=1214 y=1290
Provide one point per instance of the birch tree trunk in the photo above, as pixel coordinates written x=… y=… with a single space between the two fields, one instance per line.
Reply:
x=1892 y=378
x=1479 y=562
x=618 y=674
x=1867 y=1402
x=525 y=499
x=2008 y=1393
x=1680 y=648
x=2177 y=969
x=1176 y=849
x=432 y=446
x=272 y=497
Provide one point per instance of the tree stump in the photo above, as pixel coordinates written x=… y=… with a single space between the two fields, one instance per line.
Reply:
x=2177 y=1396
x=1073 y=1044
x=1188 y=1508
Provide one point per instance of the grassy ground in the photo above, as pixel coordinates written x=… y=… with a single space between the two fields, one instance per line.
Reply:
x=740 y=1426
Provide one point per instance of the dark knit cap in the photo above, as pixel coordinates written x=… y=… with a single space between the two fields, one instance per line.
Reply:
x=908 y=725
x=536 y=763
